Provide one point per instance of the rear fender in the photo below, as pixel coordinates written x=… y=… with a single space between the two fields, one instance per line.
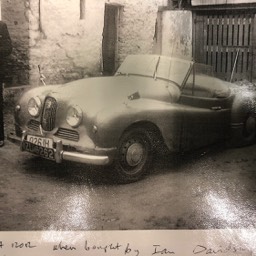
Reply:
x=244 y=104
x=244 y=107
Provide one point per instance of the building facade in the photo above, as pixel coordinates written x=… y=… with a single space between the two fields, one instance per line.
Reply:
x=72 y=39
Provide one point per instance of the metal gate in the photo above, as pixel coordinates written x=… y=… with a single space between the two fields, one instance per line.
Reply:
x=224 y=41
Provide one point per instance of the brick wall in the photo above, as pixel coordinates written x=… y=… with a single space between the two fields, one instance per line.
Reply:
x=51 y=34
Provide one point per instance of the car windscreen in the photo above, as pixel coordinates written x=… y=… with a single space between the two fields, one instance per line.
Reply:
x=156 y=66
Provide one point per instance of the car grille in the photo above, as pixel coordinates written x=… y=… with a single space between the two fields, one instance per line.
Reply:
x=49 y=114
x=33 y=125
x=67 y=134
x=48 y=122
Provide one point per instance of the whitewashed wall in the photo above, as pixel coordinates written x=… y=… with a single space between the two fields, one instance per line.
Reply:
x=177 y=34
x=65 y=46
x=53 y=36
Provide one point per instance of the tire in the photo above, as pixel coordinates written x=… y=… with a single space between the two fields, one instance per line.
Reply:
x=134 y=155
x=246 y=135
x=249 y=130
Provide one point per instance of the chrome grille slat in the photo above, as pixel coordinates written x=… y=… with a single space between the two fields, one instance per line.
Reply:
x=49 y=114
x=33 y=125
x=67 y=134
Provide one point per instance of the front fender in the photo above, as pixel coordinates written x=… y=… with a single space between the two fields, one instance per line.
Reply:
x=112 y=122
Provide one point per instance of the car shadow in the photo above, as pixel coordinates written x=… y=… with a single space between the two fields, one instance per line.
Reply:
x=174 y=162
x=81 y=174
x=66 y=172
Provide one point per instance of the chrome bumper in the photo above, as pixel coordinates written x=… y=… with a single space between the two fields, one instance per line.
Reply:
x=61 y=155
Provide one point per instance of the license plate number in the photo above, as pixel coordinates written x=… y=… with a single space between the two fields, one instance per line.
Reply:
x=38 y=150
x=40 y=141
x=40 y=146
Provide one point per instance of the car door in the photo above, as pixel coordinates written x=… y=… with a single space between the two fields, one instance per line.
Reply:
x=206 y=115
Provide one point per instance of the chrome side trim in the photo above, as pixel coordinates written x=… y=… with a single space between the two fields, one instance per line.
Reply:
x=236 y=125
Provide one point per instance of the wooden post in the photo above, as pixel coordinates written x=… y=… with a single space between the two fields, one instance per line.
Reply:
x=198 y=45
x=253 y=49
x=82 y=9
x=1 y=115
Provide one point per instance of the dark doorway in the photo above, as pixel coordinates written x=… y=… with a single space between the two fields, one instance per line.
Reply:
x=224 y=40
x=109 y=43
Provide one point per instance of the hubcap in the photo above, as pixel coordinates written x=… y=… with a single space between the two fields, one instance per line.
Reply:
x=134 y=154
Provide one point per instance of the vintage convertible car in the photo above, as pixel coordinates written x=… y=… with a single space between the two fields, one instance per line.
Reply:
x=151 y=101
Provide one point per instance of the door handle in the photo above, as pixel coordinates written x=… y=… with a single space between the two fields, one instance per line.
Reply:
x=216 y=108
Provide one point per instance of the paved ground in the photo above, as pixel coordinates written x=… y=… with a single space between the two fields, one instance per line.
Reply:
x=210 y=188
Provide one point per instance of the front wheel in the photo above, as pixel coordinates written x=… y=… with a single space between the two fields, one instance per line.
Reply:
x=134 y=155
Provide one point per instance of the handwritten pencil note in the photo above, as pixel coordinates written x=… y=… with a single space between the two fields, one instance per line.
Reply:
x=129 y=243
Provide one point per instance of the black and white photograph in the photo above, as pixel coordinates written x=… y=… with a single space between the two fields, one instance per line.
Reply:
x=128 y=115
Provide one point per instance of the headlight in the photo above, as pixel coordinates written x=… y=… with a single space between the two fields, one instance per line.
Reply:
x=74 y=116
x=34 y=106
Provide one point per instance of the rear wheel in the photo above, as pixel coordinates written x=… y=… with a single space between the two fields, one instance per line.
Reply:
x=249 y=130
x=134 y=155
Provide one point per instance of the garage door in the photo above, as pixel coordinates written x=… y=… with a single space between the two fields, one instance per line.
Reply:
x=225 y=41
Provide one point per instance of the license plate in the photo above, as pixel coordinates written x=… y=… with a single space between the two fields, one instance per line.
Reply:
x=40 y=141
x=39 y=146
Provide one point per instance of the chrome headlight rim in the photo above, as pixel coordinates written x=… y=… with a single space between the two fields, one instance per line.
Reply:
x=74 y=116
x=34 y=106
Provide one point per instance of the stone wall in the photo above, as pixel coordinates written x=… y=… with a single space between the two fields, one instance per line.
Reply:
x=66 y=47
x=51 y=34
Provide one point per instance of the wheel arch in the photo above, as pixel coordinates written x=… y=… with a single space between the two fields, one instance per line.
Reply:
x=135 y=152
x=157 y=136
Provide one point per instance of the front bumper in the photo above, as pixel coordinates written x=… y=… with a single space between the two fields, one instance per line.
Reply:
x=61 y=154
